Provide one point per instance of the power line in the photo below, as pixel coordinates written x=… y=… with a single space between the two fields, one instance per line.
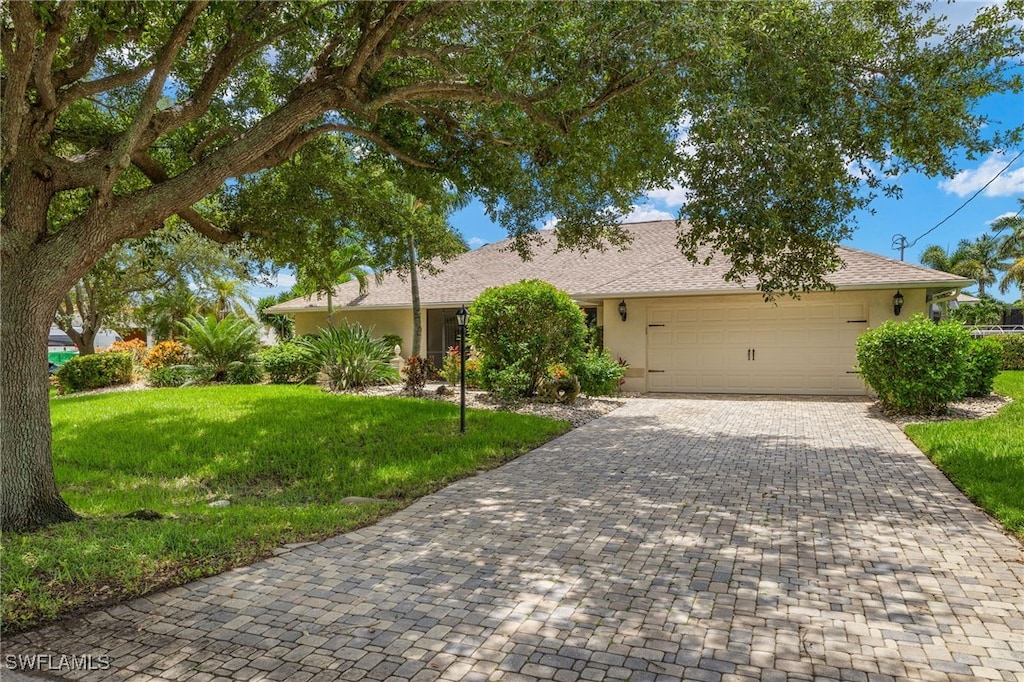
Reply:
x=900 y=242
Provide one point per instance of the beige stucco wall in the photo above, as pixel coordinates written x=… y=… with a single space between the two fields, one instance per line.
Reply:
x=394 y=321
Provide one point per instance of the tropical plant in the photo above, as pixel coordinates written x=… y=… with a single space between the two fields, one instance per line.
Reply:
x=416 y=371
x=348 y=356
x=452 y=364
x=320 y=273
x=166 y=354
x=984 y=311
x=216 y=344
x=164 y=313
x=522 y=329
x=1011 y=248
x=282 y=325
x=137 y=347
x=228 y=297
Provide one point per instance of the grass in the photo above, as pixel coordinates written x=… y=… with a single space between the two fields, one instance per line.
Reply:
x=283 y=455
x=984 y=458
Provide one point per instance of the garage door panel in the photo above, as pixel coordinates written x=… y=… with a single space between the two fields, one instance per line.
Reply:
x=743 y=347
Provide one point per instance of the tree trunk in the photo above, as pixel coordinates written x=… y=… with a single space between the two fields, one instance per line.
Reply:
x=28 y=489
x=414 y=280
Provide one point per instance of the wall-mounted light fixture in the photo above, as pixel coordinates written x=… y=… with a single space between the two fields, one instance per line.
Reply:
x=897 y=303
x=622 y=310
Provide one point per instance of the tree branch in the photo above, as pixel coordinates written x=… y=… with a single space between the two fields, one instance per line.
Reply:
x=114 y=80
x=156 y=174
x=221 y=66
x=15 y=85
x=177 y=39
x=371 y=38
x=54 y=33
x=223 y=131
x=377 y=140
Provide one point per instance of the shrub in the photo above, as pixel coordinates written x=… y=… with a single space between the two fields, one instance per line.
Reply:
x=137 y=347
x=348 y=357
x=451 y=365
x=284 y=362
x=520 y=330
x=915 y=367
x=1012 y=350
x=99 y=370
x=172 y=376
x=599 y=374
x=984 y=357
x=416 y=370
x=245 y=372
x=218 y=343
x=166 y=354
x=985 y=311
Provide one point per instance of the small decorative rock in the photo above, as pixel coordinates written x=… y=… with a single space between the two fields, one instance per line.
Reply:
x=220 y=503
x=444 y=390
x=360 y=500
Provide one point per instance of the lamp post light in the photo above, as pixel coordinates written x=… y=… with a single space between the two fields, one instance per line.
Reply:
x=461 y=317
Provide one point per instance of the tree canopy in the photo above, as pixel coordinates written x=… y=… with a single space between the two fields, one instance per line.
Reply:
x=122 y=114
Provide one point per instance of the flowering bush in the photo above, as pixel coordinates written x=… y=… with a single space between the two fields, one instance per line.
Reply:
x=166 y=354
x=450 y=368
x=137 y=347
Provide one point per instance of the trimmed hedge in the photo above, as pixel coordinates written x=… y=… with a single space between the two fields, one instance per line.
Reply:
x=1013 y=350
x=917 y=366
x=99 y=370
x=984 y=357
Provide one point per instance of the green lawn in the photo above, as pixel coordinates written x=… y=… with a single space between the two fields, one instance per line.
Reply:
x=283 y=455
x=984 y=458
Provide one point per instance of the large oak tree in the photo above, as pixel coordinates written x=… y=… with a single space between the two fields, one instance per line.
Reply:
x=140 y=110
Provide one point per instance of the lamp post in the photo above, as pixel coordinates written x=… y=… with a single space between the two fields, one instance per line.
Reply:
x=461 y=317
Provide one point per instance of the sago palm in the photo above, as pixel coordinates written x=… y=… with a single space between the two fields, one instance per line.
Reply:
x=216 y=344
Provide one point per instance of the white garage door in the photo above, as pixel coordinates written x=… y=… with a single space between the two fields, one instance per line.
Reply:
x=739 y=346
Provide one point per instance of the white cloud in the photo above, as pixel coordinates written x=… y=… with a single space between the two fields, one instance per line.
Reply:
x=641 y=214
x=673 y=196
x=970 y=181
x=475 y=242
x=283 y=279
x=550 y=224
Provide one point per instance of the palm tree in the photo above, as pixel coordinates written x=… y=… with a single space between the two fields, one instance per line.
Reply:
x=982 y=260
x=326 y=271
x=978 y=260
x=953 y=262
x=1011 y=248
x=230 y=296
x=167 y=308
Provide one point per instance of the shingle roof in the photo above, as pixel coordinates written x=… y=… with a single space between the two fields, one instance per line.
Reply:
x=650 y=266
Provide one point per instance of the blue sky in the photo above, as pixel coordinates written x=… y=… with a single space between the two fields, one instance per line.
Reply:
x=924 y=203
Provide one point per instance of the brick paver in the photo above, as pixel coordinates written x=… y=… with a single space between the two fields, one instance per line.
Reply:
x=704 y=539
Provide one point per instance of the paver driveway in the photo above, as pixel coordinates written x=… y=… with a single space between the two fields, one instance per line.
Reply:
x=699 y=539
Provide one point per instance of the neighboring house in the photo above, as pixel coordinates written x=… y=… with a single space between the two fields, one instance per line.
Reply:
x=684 y=329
